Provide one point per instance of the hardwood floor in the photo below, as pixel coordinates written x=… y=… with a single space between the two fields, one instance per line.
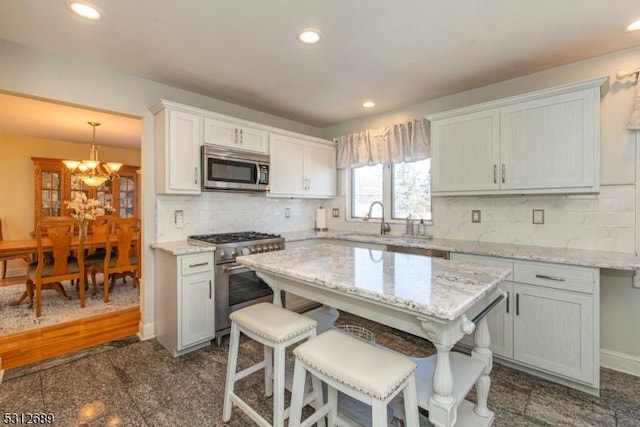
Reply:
x=40 y=344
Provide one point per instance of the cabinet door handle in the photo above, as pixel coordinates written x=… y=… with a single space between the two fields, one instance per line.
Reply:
x=309 y=184
x=195 y=175
x=517 y=304
x=495 y=174
x=508 y=295
x=235 y=137
x=545 y=276
x=503 y=173
x=200 y=264
x=241 y=138
x=209 y=289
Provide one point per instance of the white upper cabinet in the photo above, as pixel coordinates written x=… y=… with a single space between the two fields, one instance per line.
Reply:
x=177 y=149
x=542 y=142
x=234 y=135
x=301 y=167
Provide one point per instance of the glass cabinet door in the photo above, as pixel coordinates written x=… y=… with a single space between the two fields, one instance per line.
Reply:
x=77 y=187
x=104 y=193
x=50 y=193
x=127 y=197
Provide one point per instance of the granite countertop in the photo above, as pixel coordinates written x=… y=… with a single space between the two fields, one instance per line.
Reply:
x=181 y=247
x=429 y=286
x=589 y=258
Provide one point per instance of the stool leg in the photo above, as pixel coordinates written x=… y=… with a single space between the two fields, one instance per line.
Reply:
x=232 y=362
x=332 y=400
x=411 y=403
x=297 y=394
x=318 y=403
x=379 y=413
x=268 y=371
x=278 y=385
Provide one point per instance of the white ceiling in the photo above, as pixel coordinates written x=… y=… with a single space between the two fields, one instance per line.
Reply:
x=394 y=52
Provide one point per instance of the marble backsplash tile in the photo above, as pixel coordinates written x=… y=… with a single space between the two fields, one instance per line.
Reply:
x=604 y=221
x=221 y=212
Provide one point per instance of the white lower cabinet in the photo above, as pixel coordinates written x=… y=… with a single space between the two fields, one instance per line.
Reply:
x=549 y=322
x=184 y=301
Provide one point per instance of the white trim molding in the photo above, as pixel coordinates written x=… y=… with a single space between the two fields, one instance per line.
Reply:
x=620 y=362
x=146 y=331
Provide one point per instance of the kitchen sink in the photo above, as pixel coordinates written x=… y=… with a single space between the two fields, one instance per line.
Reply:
x=435 y=253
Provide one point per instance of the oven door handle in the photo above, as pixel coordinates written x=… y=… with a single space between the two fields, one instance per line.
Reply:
x=237 y=267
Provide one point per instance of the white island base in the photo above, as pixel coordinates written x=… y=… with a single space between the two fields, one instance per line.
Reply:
x=465 y=369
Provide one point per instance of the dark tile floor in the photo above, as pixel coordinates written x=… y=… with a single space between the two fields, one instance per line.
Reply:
x=131 y=383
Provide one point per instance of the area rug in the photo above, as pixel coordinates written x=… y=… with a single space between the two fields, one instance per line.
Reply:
x=55 y=310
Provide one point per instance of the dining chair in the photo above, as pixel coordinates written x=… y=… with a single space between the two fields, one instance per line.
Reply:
x=122 y=253
x=4 y=259
x=55 y=262
x=98 y=228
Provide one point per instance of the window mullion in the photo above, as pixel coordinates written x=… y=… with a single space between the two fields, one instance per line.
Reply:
x=386 y=190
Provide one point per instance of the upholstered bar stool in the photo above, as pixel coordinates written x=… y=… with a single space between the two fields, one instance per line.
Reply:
x=370 y=374
x=275 y=328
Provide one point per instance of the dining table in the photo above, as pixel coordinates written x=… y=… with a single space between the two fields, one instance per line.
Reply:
x=29 y=247
x=433 y=298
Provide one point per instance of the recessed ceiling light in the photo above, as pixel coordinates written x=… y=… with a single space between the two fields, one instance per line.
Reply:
x=634 y=26
x=85 y=10
x=309 y=36
x=368 y=104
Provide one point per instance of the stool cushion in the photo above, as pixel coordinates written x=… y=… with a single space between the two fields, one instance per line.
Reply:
x=273 y=323
x=372 y=370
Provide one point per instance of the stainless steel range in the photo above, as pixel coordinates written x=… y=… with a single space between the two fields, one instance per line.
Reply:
x=236 y=286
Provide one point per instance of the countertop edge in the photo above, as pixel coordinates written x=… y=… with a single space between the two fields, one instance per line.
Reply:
x=181 y=247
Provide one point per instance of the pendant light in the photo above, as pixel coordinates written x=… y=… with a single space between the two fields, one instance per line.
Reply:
x=92 y=172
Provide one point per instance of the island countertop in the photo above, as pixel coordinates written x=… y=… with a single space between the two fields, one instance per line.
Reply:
x=428 y=286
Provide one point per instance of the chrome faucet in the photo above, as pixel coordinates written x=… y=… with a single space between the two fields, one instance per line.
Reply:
x=384 y=226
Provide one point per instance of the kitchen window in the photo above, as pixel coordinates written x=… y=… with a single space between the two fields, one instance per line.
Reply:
x=403 y=188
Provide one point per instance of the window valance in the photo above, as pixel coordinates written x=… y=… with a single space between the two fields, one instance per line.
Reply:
x=634 y=121
x=403 y=142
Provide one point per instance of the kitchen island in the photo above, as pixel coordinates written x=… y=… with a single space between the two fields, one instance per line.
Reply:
x=436 y=299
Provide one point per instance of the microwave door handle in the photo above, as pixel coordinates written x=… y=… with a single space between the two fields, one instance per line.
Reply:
x=257 y=173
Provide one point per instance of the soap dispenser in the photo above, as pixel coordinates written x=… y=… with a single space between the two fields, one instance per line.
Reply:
x=409 y=227
x=422 y=228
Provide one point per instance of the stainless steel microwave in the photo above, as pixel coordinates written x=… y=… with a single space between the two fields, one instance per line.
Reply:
x=224 y=169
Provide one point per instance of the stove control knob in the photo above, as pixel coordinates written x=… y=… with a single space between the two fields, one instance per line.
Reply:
x=254 y=250
x=233 y=253
x=223 y=254
x=259 y=249
x=271 y=248
x=245 y=251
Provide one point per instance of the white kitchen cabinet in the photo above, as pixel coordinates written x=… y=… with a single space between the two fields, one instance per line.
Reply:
x=184 y=301
x=500 y=320
x=554 y=330
x=177 y=149
x=550 y=323
x=301 y=167
x=235 y=135
x=542 y=142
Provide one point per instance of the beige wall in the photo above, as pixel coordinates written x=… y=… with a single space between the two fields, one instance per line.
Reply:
x=17 y=181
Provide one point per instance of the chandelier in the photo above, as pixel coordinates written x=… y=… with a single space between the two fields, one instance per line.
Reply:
x=92 y=172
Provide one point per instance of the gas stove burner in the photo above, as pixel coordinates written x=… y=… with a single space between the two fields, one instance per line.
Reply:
x=244 y=236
